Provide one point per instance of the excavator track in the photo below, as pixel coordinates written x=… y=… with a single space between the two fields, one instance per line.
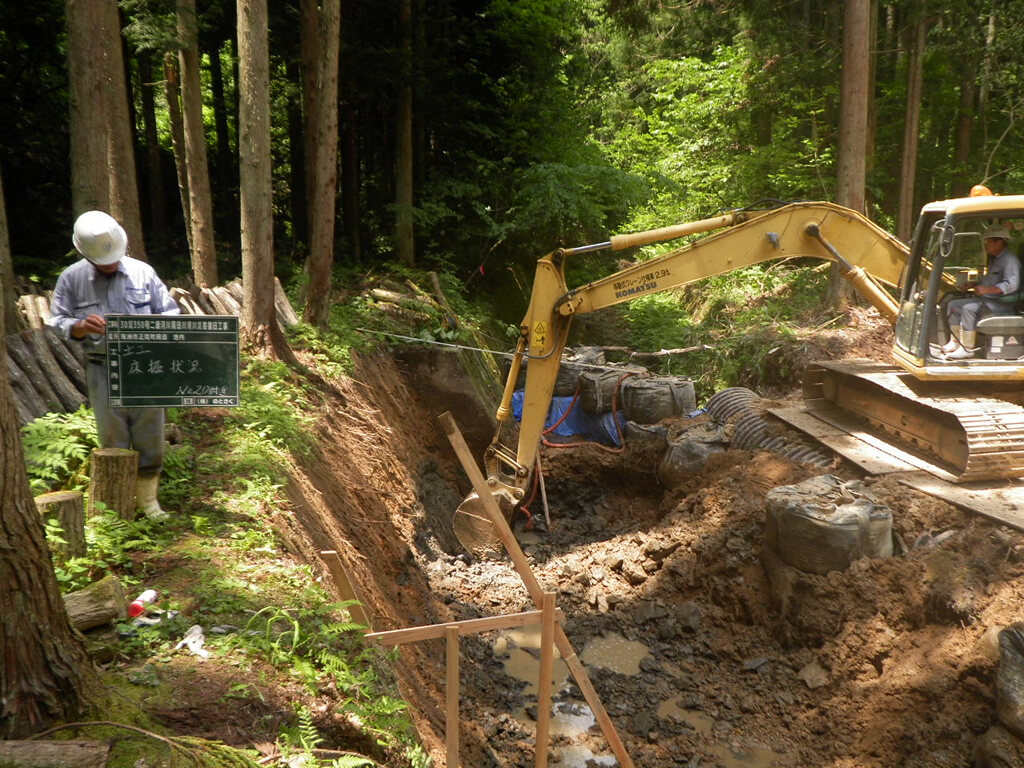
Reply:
x=972 y=430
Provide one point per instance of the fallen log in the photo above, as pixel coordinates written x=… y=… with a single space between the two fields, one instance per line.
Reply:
x=187 y=302
x=20 y=350
x=203 y=300
x=36 y=311
x=30 y=310
x=73 y=368
x=24 y=414
x=102 y=602
x=282 y=306
x=54 y=754
x=74 y=347
x=68 y=393
x=26 y=397
x=215 y=301
x=228 y=301
x=237 y=291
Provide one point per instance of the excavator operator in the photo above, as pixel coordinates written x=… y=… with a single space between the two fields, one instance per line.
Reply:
x=1001 y=278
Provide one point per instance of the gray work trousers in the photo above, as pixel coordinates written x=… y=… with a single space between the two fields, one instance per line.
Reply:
x=967 y=311
x=141 y=429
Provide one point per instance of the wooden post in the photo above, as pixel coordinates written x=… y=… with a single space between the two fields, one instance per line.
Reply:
x=69 y=510
x=346 y=587
x=547 y=667
x=451 y=719
x=522 y=566
x=112 y=480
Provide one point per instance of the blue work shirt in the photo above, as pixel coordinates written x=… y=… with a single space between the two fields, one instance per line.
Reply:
x=82 y=290
x=1003 y=272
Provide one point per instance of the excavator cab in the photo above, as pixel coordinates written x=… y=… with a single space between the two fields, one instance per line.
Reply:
x=948 y=254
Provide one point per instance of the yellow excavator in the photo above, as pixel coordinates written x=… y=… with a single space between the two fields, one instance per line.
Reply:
x=961 y=420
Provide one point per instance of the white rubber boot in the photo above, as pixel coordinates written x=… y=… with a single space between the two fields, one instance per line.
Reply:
x=954 y=340
x=966 y=349
x=145 y=498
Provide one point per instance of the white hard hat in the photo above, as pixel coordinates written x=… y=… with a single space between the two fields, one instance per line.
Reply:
x=99 y=238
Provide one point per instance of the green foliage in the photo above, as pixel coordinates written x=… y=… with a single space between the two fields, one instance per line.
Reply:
x=418 y=757
x=312 y=647
x=351 y=761
x=560 y=204
x=170 y=751
x=304 y=735
x=177 y=484
x=270 y=423
x=111 y=543
x=152 y=25
x=57 y=448
x=748 y=320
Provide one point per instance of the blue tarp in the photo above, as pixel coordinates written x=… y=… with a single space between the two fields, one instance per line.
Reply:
x=600 y=429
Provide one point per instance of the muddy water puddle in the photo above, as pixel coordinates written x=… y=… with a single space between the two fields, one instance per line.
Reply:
x=519 y=650
x=726 y=755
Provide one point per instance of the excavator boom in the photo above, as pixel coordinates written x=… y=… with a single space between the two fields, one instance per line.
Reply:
x=868 y=255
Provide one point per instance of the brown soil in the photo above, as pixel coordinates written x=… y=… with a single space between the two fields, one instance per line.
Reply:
x=889 y=662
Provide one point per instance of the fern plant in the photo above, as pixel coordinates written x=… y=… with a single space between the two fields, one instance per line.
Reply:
x=110 y=543
x=57 y=448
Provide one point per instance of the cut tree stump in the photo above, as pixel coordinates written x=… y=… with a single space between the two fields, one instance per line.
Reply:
x=102 y=602
x=55 y=754
x=113 y=480
x=69 y=510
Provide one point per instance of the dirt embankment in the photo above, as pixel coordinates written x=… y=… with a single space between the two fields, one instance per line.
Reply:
x=890 y=662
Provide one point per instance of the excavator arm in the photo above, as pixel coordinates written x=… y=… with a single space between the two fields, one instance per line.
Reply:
x=867 y=255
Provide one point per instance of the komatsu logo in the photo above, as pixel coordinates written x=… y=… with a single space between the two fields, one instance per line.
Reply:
x=643 y=287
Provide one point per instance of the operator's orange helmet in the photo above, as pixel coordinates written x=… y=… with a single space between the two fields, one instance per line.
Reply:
x=980 y=190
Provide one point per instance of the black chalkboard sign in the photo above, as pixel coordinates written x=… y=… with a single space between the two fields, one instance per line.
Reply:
x=179 y=361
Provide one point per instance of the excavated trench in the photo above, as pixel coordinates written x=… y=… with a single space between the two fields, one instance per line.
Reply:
x=701 y=654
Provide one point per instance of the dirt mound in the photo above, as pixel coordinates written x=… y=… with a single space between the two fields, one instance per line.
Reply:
x=890 y=662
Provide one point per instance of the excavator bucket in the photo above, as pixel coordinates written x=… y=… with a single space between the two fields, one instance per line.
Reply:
x=473 y=526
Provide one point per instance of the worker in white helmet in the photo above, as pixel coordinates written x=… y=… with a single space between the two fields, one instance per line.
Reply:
x=108 y=281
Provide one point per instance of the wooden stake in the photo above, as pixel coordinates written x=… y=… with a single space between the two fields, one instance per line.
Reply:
x=547 y=667
x=451 y=720
x=346 y=587
x=466 y=627
x=522 y=566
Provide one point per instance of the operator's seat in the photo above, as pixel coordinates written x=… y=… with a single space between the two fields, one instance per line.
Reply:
x=1003 y=335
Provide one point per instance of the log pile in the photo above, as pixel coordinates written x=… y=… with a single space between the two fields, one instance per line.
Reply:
x=47 y=372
